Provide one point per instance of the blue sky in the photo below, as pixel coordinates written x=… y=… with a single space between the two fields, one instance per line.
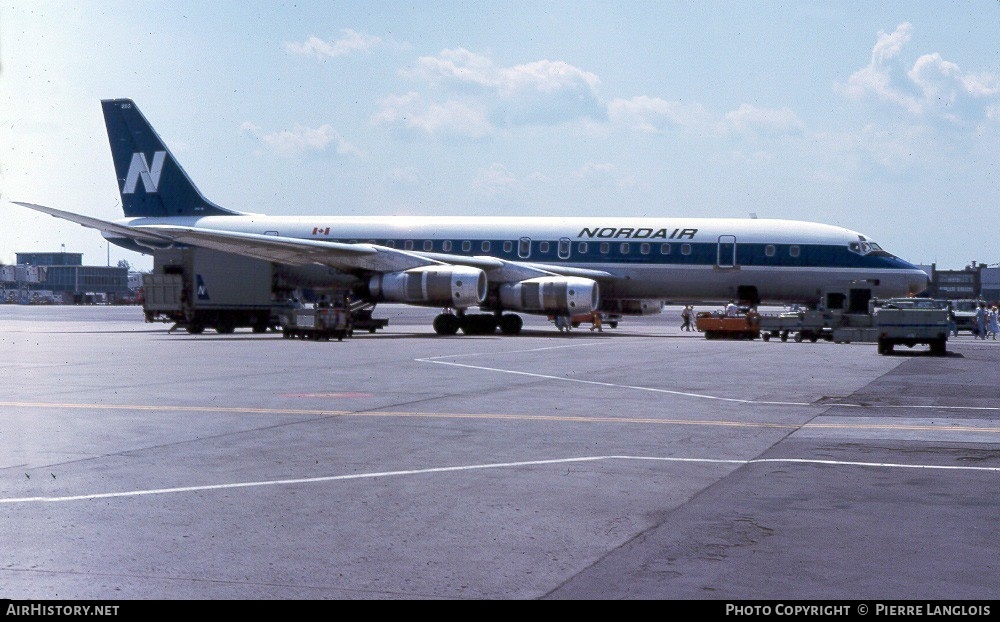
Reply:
x=879 y=117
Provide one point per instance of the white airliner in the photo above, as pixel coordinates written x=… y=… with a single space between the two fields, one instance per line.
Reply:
x=500 y=265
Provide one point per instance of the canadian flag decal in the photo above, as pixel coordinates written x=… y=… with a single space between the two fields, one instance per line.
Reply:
x=321 y=230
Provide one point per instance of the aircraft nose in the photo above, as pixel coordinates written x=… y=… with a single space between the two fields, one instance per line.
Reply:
x=918 y=281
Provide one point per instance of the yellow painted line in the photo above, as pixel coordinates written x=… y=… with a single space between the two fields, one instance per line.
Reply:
x=505 y=417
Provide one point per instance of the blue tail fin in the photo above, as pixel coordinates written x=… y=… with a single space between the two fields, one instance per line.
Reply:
x=151 y=181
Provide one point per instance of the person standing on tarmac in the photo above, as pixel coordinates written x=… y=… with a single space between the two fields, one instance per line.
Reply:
x=686 y=316
x=981 y=321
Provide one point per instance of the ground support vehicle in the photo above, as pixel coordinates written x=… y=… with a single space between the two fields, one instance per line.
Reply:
x=720 y=326
x=965 y=315
x=898 y=321
x=323 y=323
x=361 y=318
x=807 y=324
x=912 y=321
x=197 y=288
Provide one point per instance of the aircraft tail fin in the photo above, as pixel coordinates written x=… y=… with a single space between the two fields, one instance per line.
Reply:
x=151 y=182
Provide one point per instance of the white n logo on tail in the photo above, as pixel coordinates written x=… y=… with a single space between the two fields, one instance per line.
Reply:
x=140 y=168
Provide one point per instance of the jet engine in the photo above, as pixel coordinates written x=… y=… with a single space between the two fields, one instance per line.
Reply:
x=445 y=286
x=552 y=294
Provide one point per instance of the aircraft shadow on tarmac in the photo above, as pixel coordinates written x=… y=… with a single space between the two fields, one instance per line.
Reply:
x=364 y=336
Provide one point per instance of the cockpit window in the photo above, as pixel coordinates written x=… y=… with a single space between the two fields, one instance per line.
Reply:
x=865 y=247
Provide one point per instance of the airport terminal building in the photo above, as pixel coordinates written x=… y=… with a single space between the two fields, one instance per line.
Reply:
x=61 y=278
x=975 y=281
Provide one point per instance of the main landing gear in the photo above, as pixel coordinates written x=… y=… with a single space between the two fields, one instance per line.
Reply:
x=477 y=323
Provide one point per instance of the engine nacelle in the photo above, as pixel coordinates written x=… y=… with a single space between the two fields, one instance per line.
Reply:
x=445 y=286
x=552 y=294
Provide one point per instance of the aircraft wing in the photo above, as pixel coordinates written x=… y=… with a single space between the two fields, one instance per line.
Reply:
x=358 y=256
x=100 y=225
x=297 y=251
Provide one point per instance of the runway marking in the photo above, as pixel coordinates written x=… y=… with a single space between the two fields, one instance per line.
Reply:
x=513 y=417
x=474 y=467
x=704 y=396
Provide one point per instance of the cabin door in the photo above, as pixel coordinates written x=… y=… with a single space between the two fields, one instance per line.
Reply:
x=726 y=256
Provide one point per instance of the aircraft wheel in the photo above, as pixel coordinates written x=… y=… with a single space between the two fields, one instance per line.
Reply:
x=446 y=324
x=195 y=329
x=765 y=336
x=798 y=337
x=479 y=324
x=511 y=324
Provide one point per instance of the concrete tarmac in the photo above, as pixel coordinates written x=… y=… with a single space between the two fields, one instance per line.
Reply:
x=639 y=463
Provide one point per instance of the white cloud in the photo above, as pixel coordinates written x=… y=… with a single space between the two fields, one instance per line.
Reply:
x=875 y=77
x=468 y=94
x=654 y=115
x=301 y=140
x=749 y=119
x=459 y=65
x=932 y=86
x=351 y=42
x=411 y=112
x=544 y=76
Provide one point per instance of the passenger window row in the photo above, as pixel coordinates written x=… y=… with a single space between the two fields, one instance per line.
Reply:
x=524 y=247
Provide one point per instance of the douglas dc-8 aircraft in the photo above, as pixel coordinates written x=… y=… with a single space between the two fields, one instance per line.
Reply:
x=500 y=265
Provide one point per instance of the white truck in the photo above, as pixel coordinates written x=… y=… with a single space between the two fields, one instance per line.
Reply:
x=911 y=321
x=852 y=315
x=965 y=314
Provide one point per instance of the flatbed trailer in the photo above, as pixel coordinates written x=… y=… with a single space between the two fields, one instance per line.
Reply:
x=808 y=325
